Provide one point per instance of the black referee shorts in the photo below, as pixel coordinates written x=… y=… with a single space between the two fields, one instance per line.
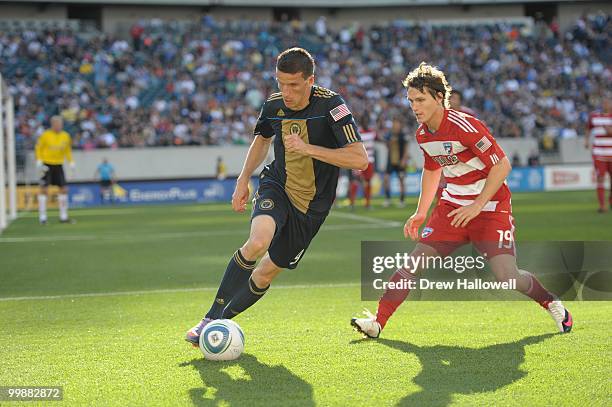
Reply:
x=54 y=175
x=294 y=229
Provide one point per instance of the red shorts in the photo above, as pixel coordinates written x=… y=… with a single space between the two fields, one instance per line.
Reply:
x=492 y=233
x=602 y=166
x=366 y=174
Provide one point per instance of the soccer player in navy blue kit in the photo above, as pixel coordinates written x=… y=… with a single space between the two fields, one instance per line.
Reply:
x=315 y=137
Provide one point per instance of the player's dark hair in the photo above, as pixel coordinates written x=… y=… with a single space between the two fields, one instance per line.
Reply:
x=428 y=78
x=458 y=93
x=294 y=60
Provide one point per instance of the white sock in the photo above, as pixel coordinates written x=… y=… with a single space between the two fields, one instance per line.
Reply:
x=63 y=206
x=42 y=208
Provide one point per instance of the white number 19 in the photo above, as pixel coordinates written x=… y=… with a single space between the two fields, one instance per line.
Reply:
x=505 y=239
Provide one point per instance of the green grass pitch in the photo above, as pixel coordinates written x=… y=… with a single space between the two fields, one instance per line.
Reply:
x=100 y=308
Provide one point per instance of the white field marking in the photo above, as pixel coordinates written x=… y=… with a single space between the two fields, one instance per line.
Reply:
x=121 y=211
x=166 y=291
x=373 y=223
x=368 y=219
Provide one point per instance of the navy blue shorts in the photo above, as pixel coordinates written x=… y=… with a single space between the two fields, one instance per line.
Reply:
x=294 y=229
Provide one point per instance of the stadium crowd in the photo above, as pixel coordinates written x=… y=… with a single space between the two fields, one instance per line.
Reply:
x=202 y=83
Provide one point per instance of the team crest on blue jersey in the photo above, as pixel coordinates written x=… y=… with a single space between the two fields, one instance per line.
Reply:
x=295 y=129
x=426 y=232
x=266 y=204
x=448 y=148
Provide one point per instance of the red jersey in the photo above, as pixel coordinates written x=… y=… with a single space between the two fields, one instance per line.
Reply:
x=368 y=137
x=600 y=131
x=466 y=151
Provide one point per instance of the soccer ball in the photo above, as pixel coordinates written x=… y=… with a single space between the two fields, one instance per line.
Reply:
x=222 y=339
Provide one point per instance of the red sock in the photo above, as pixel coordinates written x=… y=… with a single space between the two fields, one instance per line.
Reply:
x=601 y=196
x=392 y=299
x=368 y=190
x=353 y=192
x=538 y=293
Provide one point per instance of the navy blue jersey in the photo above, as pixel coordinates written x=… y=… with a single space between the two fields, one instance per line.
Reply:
x=310 y=184
x=396 y=147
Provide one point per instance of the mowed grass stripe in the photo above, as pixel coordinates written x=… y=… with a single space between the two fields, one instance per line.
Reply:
x=164 y=291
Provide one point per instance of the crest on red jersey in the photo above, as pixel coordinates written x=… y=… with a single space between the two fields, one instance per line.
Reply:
x=448 y=148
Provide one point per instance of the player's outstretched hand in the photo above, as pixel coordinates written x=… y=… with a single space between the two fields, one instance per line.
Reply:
x=294 y=144
x=411 y=228
x=463 y=215
x=240 y=196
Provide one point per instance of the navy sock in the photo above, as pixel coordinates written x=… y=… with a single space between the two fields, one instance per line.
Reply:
x=246 y=297
x=236 y=275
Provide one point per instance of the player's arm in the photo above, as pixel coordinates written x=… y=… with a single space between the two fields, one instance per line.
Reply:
x=430 y=178
x=352 y=153
x=257 y=153
x=587 y=134
x=484 y=146
x=351 y=156
x=429 y=188
x=497 y=175
x=68 y=152
x=39 y=148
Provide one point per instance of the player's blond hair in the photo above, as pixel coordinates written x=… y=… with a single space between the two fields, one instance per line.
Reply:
x=431 y=79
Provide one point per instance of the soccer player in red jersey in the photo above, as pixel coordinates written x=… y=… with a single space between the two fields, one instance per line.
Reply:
x=599 y=137
x=368 y=137
x=475 y=204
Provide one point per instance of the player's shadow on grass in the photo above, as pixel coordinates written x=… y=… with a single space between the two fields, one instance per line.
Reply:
x=247 y=381
x=448 y=370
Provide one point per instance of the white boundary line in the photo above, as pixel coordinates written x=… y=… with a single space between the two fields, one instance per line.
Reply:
x=369 y=219
x=166 y=291
x=368 y=223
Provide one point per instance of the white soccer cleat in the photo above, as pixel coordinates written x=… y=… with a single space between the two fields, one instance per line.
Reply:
x=560 y=315
x=369 y=327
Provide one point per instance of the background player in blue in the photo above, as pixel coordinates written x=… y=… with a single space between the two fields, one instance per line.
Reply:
x=315 y=137
x=106 y=172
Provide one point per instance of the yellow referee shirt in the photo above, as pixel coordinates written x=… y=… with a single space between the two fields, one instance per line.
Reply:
x=53 y=148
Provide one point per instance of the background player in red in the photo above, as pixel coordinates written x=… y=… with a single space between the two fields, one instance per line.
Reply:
x=599 y=137
x=368 y=137
x=475 y=205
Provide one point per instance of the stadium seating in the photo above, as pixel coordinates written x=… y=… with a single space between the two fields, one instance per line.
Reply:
x=186 y=83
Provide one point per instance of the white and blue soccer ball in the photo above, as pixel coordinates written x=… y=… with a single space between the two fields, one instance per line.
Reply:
x=222 y=339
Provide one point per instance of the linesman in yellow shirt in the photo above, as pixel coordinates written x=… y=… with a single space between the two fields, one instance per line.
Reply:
x=53 y=148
